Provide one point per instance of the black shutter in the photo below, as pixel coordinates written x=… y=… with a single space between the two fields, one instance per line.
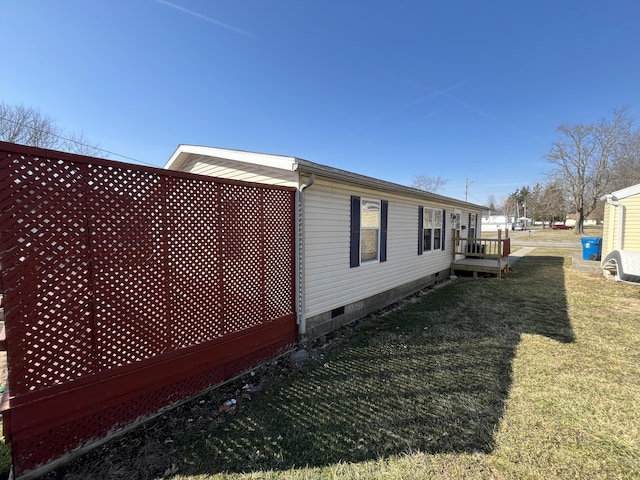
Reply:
x=469 y=226
x=384 y=211
x=444 y=228
x=355 y=232
x=420 y=232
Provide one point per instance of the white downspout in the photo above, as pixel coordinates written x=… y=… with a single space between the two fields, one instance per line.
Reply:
x=299 y=253
x=611 y=200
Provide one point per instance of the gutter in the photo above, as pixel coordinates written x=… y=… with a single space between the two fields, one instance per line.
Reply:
x=299 y=253
x=611 y=200
x=345 y=176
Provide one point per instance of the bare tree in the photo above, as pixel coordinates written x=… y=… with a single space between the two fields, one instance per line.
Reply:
x=492 y=202
x=583 y=157
x=507 y=205
x=28 y=126
x=552 y=203
x=427 y=183
x=534 y=200
x=626 y=164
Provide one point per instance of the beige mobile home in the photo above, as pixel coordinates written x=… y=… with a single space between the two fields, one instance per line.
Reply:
x=362 y=243
x=621 y=235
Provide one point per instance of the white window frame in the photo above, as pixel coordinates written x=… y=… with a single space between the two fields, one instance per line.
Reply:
x=364 y=228
x=432 y=222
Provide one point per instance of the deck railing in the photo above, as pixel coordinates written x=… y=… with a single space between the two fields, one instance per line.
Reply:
x=490 y=248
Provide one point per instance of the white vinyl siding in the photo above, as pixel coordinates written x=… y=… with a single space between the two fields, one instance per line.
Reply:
x=329 y=281
x=232 y=170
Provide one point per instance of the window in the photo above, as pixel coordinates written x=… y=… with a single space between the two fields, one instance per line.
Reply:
x=368 y=230
x=472 y=225
x=431 y=226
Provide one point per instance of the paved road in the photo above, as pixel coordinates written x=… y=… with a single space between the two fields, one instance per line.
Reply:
x=546 y=243
x=527 y=245
x=521 y=252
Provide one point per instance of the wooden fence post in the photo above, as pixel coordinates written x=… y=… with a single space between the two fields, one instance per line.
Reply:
x=454 y=239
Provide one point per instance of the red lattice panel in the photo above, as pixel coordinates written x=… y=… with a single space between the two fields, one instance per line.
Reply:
x=241 y=237
x=279 y=267
x=129 y=289
x=129 y=267
x=46 y=273
x=193 y=234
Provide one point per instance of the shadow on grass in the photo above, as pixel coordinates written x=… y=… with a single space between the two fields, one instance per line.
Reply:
x=432 y=378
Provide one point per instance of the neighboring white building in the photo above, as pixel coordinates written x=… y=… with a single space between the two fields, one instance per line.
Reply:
x=572 y=219
x=363 y=243
x=492 y=221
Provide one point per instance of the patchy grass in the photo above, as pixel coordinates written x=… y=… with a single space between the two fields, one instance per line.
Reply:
x=533 y=376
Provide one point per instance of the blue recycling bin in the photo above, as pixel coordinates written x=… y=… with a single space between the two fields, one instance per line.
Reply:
x=591 y=248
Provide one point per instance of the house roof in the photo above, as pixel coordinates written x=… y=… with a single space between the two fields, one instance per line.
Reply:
x=184 y=153
x=624 y=193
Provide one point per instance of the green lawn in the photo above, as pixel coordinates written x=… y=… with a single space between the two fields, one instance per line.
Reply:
x=533 y=376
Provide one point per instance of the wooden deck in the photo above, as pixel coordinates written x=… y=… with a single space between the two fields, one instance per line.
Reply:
x=482 y=265
x=481 y=255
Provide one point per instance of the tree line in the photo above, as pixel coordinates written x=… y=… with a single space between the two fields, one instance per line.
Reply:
x=587 y=161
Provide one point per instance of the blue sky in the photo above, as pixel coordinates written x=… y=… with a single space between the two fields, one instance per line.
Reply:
x=390 y=89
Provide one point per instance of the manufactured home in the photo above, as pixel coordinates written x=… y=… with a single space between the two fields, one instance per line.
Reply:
x=127 y=290
x=621 y=235
x=362 y=243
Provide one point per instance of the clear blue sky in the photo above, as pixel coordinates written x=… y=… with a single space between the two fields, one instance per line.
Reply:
x=390 y=89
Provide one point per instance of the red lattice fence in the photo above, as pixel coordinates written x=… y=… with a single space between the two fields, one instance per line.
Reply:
x=129 y=289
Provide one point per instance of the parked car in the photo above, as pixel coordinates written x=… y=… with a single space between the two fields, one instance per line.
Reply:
x=520 y=226
x=560 y=226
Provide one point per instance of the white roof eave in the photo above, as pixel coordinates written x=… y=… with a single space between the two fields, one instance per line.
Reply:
x=305 y=166
x=184 y=152
x=623 y=193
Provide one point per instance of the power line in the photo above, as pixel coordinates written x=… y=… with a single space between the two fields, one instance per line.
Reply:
x=70 y=140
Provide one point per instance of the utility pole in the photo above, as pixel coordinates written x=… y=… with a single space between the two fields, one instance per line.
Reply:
x=467 y=182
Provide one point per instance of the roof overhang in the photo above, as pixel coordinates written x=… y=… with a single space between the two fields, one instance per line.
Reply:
x=624 y=193
x=184 y=153
x=307 y=167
